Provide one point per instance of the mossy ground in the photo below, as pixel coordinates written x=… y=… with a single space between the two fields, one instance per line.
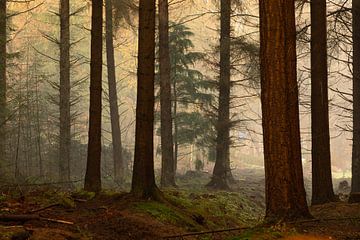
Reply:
x=189 y=208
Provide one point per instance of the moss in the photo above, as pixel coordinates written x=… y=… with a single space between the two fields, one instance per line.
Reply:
x=220 y=209
x=3 y=198
x=83 y=195
x=167 y=214
x=66 y=202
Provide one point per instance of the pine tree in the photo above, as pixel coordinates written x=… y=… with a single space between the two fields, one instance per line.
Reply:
x=190 y=90
x=167 y=151
x=3 y=40
x=222 y=172
x=65 y=116
x=119 y=166
x=322 y=188
x=285 y=192
x=355 y=181
x=93 y=167
x=143 y=180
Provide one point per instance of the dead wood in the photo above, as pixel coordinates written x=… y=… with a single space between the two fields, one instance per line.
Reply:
x=29 y=217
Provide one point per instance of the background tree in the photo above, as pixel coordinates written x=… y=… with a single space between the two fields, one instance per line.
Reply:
x=285 y=193
x=65 y=115
x=222 y=171
x=143 y=180
x=192 y=94
x=93 y=167
x=119 y=165
x=355 y=181
x=322 y=188
x=3 y=40
x=167 y=151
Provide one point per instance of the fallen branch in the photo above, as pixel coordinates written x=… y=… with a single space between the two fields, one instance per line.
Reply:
x=325 y=219
x=57 y=221
x=44 y=208
x=30 y=217
x=18 y=218
x=206 y=232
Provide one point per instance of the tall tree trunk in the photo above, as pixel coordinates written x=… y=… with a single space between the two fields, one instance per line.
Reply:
x=38 y=127
x=285 y=192
x=322 y=188
x=65 y=121
x=3 y=52
x=113 y=98
x=93 y=167
x=175 y=137
x=167 y=152
x=143 y=181
x=222 y=165
x=355 y=182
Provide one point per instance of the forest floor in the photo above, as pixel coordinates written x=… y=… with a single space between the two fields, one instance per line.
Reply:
x=56 y=215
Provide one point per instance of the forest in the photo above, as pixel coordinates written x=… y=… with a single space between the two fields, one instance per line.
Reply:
x=179 y=119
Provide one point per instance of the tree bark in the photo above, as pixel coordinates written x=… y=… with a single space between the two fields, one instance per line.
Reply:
x=113 y=98
x=93 y=167
x=322 y=188
x=222 y=171
x=143 y=181
x=3 y=38
x=65 y=118
x=285 y=192
x=355 y=182
x=167 y=152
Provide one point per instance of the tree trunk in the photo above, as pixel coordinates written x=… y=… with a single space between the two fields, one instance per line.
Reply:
x=93 y=167
x=175 y=137
x=113 y=98
x=65 y=121
x=355 y=182
x=322 y=188
x=38 y=128
x=3 y=38
x=143 y=181
x=167 y=152
x=222 y=170
x=285 y=192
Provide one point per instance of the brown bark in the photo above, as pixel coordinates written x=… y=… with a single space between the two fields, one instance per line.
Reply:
x=221 y=172
x=285 y=192
x=143 y=181
x=167 y=153
x=322 y=188
x=65 y=121
x=113 y=98
x=355 y=182
x=93 y=167
x=3 y=52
